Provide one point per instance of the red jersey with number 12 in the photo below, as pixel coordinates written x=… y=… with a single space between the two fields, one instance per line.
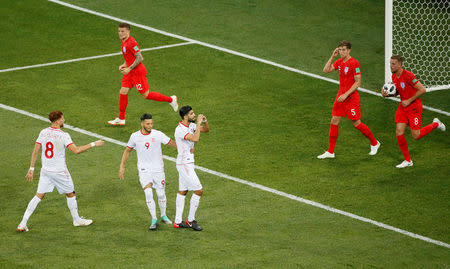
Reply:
x=347 y=72
x=405 y=84
x=129 y=48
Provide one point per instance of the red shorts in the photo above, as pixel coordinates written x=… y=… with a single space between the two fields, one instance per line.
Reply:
x=350 y=108
x=411 y=115
x=137 y=80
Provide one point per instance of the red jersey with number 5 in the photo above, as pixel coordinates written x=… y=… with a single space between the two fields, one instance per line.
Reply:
x=129 y=49
x=405 y=84
x=347 y=72
x=54 y=142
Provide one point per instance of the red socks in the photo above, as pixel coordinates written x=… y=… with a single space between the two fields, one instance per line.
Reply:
x=427 y=129
x=156 y=96
x=367 y=133
x=403 y=147
x=334 y=131
x=123 y=102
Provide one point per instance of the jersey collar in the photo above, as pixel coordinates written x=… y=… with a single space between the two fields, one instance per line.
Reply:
x=145 y=134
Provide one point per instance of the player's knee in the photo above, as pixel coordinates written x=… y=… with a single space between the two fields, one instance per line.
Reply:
x=40 y=195
x=183 y=192
x=415 y=135
x=199 y=192
x=145 y=94
x=72 y=194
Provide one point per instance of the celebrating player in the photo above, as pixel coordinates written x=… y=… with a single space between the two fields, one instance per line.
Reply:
x=147 y=143
x=347 y=99
x=54 y=171
x=135 y=75
x=187 y=134
x=409 y=111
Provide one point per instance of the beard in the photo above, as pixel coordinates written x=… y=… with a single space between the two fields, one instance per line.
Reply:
x=191 y=120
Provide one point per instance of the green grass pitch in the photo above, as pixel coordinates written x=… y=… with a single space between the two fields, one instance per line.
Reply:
x=267 y=126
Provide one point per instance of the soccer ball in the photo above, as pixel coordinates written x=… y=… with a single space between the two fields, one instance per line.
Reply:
x=390 y=89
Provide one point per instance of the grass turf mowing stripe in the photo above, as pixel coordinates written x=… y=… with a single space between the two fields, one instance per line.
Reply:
x=246 y=182
x=90 y=58
x=227 y=51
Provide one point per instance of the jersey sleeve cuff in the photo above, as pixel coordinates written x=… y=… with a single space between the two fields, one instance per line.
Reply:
x=169 y=141
x=130 y=147
x=69 y=144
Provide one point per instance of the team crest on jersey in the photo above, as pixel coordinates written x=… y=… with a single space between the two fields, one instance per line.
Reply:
x=153 y=139
x=402 y=84
x=124 y=50
x=346 y=70
x=136 y=48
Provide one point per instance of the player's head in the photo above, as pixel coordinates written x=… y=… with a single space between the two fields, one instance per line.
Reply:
x=396 y=63
x=124 y=30
x=344 y=48
x=147 y=122
x=56 y=117
x=187 y=113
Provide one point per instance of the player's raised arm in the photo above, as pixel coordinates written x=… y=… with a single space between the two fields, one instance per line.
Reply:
x=125 y=155
x=204 y=125
x=329 y=64
x=77 y=150
x=34 y=156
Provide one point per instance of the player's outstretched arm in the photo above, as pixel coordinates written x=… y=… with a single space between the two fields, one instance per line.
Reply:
x=77 y=150
x=34 y=156
x=172 y=143
x=125 y=155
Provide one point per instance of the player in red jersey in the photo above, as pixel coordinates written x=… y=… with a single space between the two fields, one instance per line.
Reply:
x=135 y=75
x=347 y=99
x=409 y=111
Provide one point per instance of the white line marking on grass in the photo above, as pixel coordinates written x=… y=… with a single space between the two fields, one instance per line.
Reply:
x=224 y=50
x=91 y=58
x=246 y=182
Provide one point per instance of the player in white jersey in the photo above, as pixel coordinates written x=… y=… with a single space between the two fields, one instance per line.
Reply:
x=54 y=171
x=147 y=143
x=187 y=134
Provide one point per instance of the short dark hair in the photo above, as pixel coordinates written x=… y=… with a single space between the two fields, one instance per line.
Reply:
x=345 y=43
x=55 y=115
x=146 y=116
x=124 y=25
x=184 y=111
x=398 y=57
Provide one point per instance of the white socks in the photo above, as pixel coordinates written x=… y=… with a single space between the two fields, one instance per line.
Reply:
x=73 y=207
x=195 y=201
x=162 y=201
x=180 y=208
x=150 y=202
x=30 y=209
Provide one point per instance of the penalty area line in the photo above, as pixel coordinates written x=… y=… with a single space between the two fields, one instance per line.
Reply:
x=246 y=182
x=90 y=58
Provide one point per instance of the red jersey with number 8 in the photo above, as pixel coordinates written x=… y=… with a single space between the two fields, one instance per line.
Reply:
x=405 y=84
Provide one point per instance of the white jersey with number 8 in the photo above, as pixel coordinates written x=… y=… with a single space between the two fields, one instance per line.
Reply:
x=54 y=142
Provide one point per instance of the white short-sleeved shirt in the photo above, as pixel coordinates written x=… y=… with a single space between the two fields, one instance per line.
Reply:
x=148 y=149
x=54 y=142
x=184 y=146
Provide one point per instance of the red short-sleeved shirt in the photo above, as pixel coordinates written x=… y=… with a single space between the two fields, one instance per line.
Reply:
x=129 y=48
x=347 y=72
x=405 y=84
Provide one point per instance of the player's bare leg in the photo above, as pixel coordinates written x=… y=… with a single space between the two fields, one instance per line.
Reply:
x=333 y=135
x=123 y=103
x=73 y=207
x=22 y=227
x=156 y=96
x=400 y=133
x=374 y=144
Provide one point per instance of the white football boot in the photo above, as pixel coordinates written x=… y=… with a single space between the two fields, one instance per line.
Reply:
x=174 y=103
x=405 y=163
x=326 y=155
x=441 y=126
x=22 y=228
x=116 y=121
x=82 y=222
x=374 y=149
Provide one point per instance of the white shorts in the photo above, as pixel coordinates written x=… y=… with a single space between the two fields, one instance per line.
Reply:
x=158 y=179
x=188 y=179
x=61 y=180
